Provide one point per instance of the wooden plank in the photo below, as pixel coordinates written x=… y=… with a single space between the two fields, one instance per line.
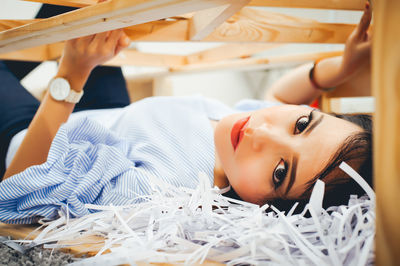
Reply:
x=45 y=52
x=171 y=29
x=51 y=52
x=255 y=63
x=101 y=17
x=249 y=25
x=352 y=105
x=132 y=57
x=206 y=21
x=229 y=51
x=323 y=4
x=160 y=31
x=386 y=89
x=223 y=52
x=263 y=26
x=34 y=54
x=6 y=24
x=81 y=246
x=71 y=3
x=129 y=57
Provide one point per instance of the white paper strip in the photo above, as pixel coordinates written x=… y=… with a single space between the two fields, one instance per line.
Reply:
x=353 y=174
x=192 y=225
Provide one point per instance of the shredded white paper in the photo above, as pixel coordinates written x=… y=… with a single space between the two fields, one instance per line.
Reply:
x=194 y=225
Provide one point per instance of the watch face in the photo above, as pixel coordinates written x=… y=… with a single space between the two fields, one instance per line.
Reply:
x=59 y=89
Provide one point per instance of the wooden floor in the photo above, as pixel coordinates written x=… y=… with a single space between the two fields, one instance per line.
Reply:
x=88 y=246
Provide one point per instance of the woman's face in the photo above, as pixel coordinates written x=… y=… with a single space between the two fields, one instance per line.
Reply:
x=273 y=153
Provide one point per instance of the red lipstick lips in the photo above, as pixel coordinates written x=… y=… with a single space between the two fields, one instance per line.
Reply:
x=238 y=131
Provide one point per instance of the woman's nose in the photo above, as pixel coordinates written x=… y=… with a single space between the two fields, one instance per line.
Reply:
x=265 y=136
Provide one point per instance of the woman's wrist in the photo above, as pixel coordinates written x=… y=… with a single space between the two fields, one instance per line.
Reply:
x=76 y=77
x=327 y=73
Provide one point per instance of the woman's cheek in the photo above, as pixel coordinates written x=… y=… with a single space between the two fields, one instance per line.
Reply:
x=248 y=176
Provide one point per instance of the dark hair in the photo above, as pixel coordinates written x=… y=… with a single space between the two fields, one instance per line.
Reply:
x=356 y=151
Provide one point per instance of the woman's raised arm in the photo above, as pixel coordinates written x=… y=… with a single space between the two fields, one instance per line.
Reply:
x=296 y=86
x=79 y=58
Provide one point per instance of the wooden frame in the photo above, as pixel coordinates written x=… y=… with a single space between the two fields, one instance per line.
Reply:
x=386 y=88
x=248 y=25
x=101 y=17
x=324 y=4
x=167 y=20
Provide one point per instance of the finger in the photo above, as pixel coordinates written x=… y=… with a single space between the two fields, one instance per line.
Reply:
x=86 y=40
x=100 y=38
x=369 y=35
x=365 y=47
x=365 y=21
x=114 y=37
x=364 y=50
x=118 y=49
x=72 y=41
x=123 y=42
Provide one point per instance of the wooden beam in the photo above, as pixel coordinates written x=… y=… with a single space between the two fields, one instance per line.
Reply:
x=263 y=26
x=51 y=52
x=206 y=21
x=351 y=105
x=132 y=57
x=213 y=55
x=323 y=4
x=37 y=54
x=70 y=3
x=159 y=31
x=229 y=51
x=386 y=89
x=255 y=63
x=101 y=17
x=249 y=25
x=136 y=58
x=6 y=24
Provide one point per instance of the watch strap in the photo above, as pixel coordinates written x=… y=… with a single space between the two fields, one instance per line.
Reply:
x=73 y=96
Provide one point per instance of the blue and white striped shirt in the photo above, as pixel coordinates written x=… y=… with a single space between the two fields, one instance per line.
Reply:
x=170 y=138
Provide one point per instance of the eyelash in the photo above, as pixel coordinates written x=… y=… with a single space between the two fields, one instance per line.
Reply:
x=279 y=182
x=309 y=119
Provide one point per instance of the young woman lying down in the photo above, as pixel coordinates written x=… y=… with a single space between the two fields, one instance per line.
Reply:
x=106 y=150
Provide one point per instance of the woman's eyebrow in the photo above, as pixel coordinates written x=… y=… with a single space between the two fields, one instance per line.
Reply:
x=313 y=125
x=292 y=174
x=295 y=157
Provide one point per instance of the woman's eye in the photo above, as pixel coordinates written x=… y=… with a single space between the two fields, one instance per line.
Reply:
x=279 y=173
x=302 y=123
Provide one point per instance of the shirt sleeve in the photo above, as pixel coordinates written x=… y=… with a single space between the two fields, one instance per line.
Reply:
x=87 y=163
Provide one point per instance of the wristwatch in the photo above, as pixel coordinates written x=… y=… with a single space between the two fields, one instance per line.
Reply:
x=60 y=90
